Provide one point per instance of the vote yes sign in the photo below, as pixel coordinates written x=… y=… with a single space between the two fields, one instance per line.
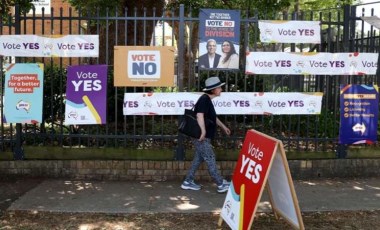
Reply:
x=250 y=174
x=144 y=66
x=262 y=162
x=86 y=95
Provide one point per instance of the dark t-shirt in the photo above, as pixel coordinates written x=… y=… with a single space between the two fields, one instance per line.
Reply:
x=204 y=105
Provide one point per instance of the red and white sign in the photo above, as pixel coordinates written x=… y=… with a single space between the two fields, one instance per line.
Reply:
x=261 y=159
x=220 y=23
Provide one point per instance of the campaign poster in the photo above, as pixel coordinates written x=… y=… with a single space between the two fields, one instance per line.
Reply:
x=228 y=103
x=249 y=179
x=144 y=66
x=359 y=106
x=219 y=34
x=262 y=163
x=311 y=63
x=23 y=93
x=280 y=31
x=86 y=95
x=30 y=45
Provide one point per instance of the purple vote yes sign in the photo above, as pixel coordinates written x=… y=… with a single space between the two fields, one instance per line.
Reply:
x=86 y=94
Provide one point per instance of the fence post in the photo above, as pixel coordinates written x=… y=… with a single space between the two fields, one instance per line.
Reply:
x=341 y=150
x=346 y=27
x=378 y=69
x=352 y=24
x=180 y=149
x=181 y=47
x=18 y=152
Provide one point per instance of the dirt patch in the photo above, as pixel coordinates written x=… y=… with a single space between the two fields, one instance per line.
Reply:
x=12 y=188
x=160 y=221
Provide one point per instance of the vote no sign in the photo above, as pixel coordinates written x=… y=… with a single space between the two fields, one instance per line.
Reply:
x=144 y=66
x=262 y=161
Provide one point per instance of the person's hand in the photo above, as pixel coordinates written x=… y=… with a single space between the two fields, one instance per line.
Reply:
x=227 y=131
x=203 y=136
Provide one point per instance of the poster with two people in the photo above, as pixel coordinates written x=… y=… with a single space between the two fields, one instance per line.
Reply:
x=219 y=33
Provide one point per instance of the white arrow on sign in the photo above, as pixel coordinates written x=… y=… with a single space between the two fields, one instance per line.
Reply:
x=359 y=128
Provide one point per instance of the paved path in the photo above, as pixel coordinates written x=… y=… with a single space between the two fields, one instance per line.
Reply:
x=144 y=197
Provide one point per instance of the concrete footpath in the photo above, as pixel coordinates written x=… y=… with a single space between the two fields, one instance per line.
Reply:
x=121 y=197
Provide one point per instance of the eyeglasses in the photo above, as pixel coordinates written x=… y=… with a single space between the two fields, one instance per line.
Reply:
x=211 y=46
x=226 y=45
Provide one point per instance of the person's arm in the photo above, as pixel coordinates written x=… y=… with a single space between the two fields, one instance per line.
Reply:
x=201 y=123
x=225 y=128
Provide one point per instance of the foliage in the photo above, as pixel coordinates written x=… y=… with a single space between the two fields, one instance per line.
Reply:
x=325 y=4
x=263 y=6
x=110 y=7
x=321 y=9
x=165 y=89
x=94 y=4
x=54 y=78
x=6 y=6
x=324 y=125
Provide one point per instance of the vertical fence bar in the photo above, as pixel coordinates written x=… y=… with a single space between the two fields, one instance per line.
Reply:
x=181 y=47
x=2 y=139
x=346 y=28
x=378 y=69
x=18 y=152
x=348 y=44
x=180 y=150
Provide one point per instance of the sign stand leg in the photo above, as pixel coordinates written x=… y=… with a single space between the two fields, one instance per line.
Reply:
x=220 y=222
x=271 y=201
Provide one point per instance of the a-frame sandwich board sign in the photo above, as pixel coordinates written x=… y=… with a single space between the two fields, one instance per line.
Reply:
x=262 y=161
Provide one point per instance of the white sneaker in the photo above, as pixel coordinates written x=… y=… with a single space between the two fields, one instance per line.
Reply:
x=190 y=185
x=226 y=182
x=223 y=187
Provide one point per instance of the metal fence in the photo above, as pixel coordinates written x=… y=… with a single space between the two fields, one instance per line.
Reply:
x=342 y=31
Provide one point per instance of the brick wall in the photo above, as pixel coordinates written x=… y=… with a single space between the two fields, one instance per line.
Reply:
x=56 y=27
x=176 y=170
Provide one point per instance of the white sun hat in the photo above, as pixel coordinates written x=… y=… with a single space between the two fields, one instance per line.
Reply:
x=212 y=83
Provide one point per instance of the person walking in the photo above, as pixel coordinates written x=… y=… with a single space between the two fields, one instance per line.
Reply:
x=205 y=111
x=230 y=58
x=210 y=59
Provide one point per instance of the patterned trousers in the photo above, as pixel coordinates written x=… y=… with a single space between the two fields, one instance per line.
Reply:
x=204 y=152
